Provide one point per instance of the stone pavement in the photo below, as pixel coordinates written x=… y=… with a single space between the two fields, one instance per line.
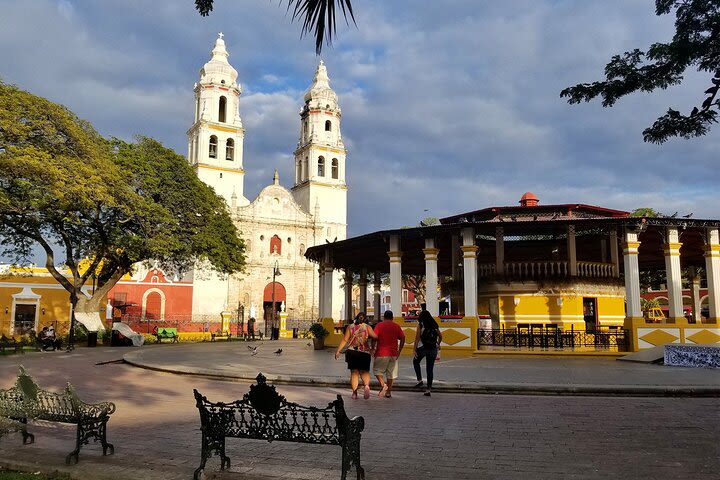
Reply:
x=459 y=436
x=300 y=364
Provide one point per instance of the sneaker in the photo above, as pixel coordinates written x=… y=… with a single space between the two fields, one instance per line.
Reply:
x=419 y=384
x=427 y=393
x=388 y=395
x=366 y=392
x=354 y=395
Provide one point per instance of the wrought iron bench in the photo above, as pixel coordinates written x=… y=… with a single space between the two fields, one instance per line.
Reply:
x=263 y=414
x=27 y=401
x=164 y=332
x=10 y=343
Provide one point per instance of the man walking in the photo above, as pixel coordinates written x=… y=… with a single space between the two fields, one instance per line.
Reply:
x=387 y=352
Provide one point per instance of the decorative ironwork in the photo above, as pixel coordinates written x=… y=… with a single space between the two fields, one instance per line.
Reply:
x=264 y=414
x=26 y=400
x=539 y=336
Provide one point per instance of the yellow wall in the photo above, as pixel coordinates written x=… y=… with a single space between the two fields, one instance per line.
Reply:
x=561 y=309
x=54 y=299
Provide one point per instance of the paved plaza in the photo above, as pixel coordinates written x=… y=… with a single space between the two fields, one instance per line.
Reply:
x=449 y=435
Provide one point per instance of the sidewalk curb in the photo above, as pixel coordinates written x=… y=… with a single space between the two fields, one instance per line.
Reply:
x=452 y=387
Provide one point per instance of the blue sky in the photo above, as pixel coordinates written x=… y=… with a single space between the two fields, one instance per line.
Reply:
x=450 y=107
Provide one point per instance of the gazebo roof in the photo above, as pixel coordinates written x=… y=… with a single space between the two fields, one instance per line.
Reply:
x=370 y=250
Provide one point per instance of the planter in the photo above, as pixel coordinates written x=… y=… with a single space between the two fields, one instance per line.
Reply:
x=318 y=343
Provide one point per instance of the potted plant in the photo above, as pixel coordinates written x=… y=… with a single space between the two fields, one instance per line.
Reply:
x=319 y=333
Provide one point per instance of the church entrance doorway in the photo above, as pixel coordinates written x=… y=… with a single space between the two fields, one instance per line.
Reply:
x=274 y=292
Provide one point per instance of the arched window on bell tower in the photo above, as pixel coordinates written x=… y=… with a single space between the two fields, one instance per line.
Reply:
x=298 y=172
x=334 y=168
x=321 y=167
x=222 y=109
x=212 y=153
x=328 y=126
x=230 y=149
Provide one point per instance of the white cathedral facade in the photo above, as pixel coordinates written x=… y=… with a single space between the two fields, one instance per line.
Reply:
x=279 y=224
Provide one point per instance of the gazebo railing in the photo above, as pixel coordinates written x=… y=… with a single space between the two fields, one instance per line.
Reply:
x=539 y=336
x=534 y=270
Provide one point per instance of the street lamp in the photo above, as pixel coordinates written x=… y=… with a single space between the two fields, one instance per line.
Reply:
x=276 y=273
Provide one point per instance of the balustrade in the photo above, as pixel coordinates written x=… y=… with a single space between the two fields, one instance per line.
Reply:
x=547 y=269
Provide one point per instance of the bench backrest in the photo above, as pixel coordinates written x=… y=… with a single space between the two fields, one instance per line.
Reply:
x=264 y=414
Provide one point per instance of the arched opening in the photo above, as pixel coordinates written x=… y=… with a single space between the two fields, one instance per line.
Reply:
x=222 y=108
x=213 y=146
x=305 y=168
x=274 y=296
x=230 y=149
x=153 y=306
x=298 y=172
x=328 y=125
x=321 y=167
x=334 y=168
x=275 y=245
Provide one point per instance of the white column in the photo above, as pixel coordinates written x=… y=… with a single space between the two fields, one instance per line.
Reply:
x=499 y=250
x=614 y=253
x=469 y=250
x=328 y=286
x=632 y=275
x=431 y=277
x=572 y=253
x=674 y=275
x=377 y=301
x=363 y=283
x=321 y=291
x=712 y=270
x=695 y=292
x=348 y=296
x=395 y=256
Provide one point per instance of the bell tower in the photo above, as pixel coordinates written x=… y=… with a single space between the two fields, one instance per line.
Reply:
x=320 y=186
x=215 y=140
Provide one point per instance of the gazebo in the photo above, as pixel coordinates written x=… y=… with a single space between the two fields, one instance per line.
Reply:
x=542 y=271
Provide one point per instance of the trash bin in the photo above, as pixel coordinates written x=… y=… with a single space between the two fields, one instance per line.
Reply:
x=92 y=339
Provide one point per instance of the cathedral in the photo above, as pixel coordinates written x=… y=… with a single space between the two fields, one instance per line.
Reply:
x=281 y=223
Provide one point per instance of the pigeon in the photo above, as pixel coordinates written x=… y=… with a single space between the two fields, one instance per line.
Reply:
x=250 y=347
x=309 y=345
x=674 y=215
x=253 y=351
x=688 y=215
x=278 y=351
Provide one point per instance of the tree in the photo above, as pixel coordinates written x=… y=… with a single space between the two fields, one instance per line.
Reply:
x=105 y=204
x=317 y=16
x=696 y=44
x=646 y=212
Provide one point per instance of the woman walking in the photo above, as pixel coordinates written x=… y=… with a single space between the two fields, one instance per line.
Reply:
x=428 y=332
x=357 y=354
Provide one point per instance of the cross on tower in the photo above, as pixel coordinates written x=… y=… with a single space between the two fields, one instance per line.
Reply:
x=220 y=35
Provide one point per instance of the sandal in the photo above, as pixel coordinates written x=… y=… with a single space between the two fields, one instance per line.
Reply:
x=382 y=391
x=354 y=395
x=366 y=392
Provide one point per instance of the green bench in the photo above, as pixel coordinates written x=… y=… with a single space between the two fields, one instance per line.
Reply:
x=166 y=333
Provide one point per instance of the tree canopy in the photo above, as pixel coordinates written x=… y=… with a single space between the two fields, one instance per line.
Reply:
x=696 y=44
x=103 y=204
x=317 y=16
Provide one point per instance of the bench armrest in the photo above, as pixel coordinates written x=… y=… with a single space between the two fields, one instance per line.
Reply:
x=92 y=410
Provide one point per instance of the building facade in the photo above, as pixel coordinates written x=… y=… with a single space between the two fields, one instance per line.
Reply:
x=281 y=223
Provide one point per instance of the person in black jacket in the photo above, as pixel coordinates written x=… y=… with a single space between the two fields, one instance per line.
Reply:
x=427 y=343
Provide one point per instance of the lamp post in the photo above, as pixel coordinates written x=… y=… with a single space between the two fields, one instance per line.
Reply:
x=276 y=273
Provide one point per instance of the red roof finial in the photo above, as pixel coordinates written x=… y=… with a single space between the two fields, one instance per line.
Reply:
x=529 y=199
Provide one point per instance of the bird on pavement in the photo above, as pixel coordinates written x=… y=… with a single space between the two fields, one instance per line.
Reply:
x=278 y=351
x=250 y=347
x=309 y=344
x=253 y=351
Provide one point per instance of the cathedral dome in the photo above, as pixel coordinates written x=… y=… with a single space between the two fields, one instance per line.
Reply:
x=529 y=199
x=218 y=69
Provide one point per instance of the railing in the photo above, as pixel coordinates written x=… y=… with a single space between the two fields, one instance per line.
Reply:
x=547 y=269
x=542 y=336
x=595 y=269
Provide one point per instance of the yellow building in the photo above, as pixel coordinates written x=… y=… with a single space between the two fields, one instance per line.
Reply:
x=30 y=298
